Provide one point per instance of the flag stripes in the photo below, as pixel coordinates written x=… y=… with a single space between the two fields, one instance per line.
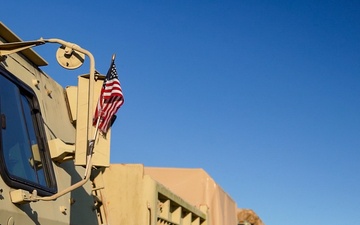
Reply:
x=110 y=100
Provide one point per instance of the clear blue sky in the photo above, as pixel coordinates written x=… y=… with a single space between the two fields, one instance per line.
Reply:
x=263 y=95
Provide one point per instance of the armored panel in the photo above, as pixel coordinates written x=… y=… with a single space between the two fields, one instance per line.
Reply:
x=101 y=156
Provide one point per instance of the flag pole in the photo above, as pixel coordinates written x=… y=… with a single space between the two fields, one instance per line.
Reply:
x=91 y=146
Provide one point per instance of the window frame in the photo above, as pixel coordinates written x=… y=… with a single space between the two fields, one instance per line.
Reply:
x=38 y=125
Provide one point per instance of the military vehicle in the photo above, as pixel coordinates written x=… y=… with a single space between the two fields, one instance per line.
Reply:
x=55 y=167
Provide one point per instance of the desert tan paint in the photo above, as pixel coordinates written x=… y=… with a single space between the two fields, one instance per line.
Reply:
x=136 y=202
x=142 y=200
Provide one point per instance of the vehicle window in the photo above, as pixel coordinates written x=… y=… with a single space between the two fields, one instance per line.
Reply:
x=24 y=152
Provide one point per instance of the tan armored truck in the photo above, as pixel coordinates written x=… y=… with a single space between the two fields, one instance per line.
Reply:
x=55 y=168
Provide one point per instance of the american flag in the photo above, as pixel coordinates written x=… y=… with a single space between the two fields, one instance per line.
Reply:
x=110 y=100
